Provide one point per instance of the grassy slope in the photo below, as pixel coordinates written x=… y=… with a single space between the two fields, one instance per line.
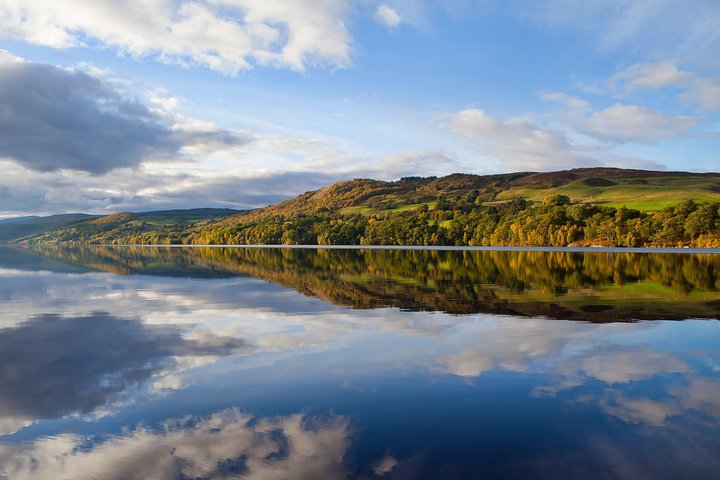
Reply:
x=649 y=193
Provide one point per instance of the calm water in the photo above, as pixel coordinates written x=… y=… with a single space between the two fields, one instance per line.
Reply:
x=140 y=363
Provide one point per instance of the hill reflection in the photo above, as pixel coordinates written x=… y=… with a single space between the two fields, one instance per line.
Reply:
x=598 y=287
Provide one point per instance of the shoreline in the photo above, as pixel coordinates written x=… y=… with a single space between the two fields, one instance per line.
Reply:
x=715 y=251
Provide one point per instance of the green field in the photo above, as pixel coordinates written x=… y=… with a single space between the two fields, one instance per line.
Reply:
x=653 y=195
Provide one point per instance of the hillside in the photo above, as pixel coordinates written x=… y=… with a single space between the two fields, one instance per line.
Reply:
x=637 y=189
x=589 y=206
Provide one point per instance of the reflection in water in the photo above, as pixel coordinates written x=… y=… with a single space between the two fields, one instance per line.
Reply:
x=442 y=387
x=573 y=356
x=593 y=286
x=51 y=366
x=227 y=444
x=692 y=394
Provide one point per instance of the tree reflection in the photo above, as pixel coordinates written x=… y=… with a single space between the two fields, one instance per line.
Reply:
x=592 y=286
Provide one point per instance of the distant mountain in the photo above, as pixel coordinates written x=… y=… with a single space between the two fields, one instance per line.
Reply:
x=16 y=228
x=34 y=227
x=18 y=219
x=586 y=206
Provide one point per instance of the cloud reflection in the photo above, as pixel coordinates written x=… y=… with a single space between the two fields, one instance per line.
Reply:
x=640 y=381
x=227 y=444
x=52 y=366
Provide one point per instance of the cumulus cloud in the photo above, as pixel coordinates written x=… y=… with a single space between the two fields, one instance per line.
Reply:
x=698 y=89
x=226 y=444
x=223 y=35
x=52 y=118
x=569 y=101
x=520 y=143
x=77 y=141
x=387 y=16
x=650 y=76
x=632 y=123
x=620 y=122
x=704 y=92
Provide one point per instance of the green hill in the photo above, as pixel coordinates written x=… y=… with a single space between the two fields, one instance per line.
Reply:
x=587 y=206
x=638 y=189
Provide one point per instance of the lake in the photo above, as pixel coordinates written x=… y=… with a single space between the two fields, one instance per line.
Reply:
x=209 y=363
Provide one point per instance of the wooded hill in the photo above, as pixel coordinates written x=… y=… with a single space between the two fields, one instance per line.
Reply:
x=590 y=206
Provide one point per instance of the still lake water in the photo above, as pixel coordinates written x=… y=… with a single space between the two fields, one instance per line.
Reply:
x=205 y=363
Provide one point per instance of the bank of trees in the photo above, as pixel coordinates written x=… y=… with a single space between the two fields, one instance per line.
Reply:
x=554 y=222
x=463 y=220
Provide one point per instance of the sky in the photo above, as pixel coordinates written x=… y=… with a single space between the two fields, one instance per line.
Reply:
x=115 y=105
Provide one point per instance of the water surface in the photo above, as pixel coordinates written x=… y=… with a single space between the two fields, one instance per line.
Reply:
x=175 y=363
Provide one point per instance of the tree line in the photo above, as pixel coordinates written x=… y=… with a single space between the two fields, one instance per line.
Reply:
x=461 y=221
x=554 y=222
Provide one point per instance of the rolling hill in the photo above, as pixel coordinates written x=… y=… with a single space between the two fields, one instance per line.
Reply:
x=639 y=189
x=586 y=206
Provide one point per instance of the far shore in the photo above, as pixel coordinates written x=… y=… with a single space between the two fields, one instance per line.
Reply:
x=597 y=249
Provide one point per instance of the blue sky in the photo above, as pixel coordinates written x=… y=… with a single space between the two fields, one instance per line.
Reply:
x=113 y=105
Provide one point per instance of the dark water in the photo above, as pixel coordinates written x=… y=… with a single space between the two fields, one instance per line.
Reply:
x=151 y=363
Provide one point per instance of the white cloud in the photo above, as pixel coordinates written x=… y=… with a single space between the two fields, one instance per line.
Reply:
x=520 y=143
x=622 y=122
x=223 y=35
x=387 y=16
x=633 y=123
x=705 y=92
x=570 y=102
x=650 y=76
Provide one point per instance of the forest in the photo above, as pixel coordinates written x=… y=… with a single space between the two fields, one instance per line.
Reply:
x=554 y=222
